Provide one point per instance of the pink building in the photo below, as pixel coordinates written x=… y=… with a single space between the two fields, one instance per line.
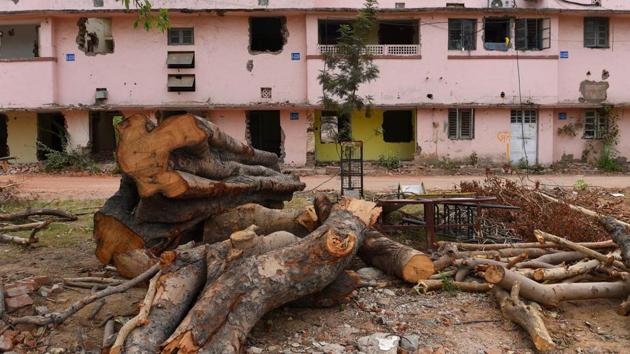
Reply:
x=505 y=79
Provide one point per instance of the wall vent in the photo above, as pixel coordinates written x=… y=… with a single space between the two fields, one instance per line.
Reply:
x=265 y=93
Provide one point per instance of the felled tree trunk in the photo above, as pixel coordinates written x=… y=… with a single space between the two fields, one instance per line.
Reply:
x=560 y=273
x=395 y=259
x=228 y=309
x=337 y=293
x=619 y=234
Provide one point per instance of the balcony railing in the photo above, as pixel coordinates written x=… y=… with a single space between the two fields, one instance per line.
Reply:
x=377 y=49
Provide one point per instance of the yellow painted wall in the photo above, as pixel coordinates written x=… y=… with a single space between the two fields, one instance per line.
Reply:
x=368 y=130
x=22 y=136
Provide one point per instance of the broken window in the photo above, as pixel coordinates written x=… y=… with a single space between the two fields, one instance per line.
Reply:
x=4 y=136
x=264 y=131
x=329 y=30
x=596 y=32
x=181 y=83
x=102 y=135
x=51 y=134
x=333 y=128
x=397 y=126
x=524 y=116
x=532 y=33
x=19 y=41
x=398 y=32
x=595 y=125
x=462 y=34
x=461 y=124
x=95 y=36
x=180 y=60
x=266 y=34
x=496 y=33
x=181 y=36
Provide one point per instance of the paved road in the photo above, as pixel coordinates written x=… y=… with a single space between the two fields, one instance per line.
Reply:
x=101 y=187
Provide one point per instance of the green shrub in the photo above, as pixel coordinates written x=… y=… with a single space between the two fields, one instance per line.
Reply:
x=77 y=159
x=608 y=161
x=389 y=162
x=580 y=185
x=474 y=158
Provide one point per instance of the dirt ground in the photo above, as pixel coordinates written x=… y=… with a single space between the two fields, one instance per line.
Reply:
x=101 y=187
x=446 y=322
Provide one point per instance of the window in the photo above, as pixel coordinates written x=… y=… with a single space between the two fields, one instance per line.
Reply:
x=533 y=33
x=329 y=30
x=19 y=41
x=180 y=60
x=596 y=32
x=595 y=125
x=397 y=126
x=181 y=36
x=266 y=34
x=496 y=33
x=333 y=128
x=462 y=34
x=461 y=124
x=398 y=32
x=181 y=83
x=524 y=116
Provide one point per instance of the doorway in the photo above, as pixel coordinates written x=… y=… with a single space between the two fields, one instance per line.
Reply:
x=524 y=137
x=102 y=135
x=264 y=131
x=51 y=133
x=4 y=136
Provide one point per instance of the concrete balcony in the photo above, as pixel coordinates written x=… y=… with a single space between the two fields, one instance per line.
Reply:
x=27 y=82
x=377 y=49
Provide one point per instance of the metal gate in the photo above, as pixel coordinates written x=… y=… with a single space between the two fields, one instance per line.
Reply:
x=524 y=136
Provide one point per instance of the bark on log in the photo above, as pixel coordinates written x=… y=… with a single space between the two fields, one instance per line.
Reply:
x=525 y=316
x=394 y=258
x=560 y=273
x=228 y=309
x=543 y=236
x=21 y=215
x=337 y=293
x=552 y=259
x=619 y=234
x=297 y=222
x=624 y=308
x=553 y=294
x=432 y=284
x=504 y=252
x=497 y=246
x=189 y=157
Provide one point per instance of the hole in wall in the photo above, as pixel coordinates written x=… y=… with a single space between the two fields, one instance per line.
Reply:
x=51 y=133
x=95 y=35
x=4 y=136
x=265 y=132
x=102 y=135
x=267 y=34
x=397 y=126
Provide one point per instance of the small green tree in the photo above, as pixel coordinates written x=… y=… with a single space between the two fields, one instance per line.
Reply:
x=146 y=16
x=349 y=66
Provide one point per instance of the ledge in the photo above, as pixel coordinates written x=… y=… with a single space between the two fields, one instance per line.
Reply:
x=22 y=60
x=376 y=57
x=509 y=56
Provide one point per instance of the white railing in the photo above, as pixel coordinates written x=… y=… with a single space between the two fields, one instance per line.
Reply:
x=377 y=49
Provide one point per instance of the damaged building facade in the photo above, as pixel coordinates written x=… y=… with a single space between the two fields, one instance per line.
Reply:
x=505 y=79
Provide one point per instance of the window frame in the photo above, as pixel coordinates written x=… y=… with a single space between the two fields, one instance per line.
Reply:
x=596 y=22
x=542 y=29
x=461 y=31
x=253 y=38
x=498 y=46
x=525 y=116
x=458 y=134
x=599 y=125
x=181 y=36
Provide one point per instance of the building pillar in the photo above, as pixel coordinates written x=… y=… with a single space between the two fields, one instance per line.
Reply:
x=78 y=127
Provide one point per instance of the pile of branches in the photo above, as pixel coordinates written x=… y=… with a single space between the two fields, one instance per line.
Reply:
x=522 y=276
x=536 y=212
x=595 y=198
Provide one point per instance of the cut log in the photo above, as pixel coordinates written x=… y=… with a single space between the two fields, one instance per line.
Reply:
x=560 y=273
x=619 y=234
x=229 y=307
x=337 y=293
x=525 y=316
x=432 y=284
x=395 y=259
x=553 y=294
x=504 y=252
x=189 y=157
x=297 y=222
x=624 y=308
x=552 y=259
x=543 y=236
x=22 y=215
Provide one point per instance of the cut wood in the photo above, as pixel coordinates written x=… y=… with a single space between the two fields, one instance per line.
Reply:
x=624 y=308
x=395 y=259
x=22 y=227
x=15 y=240
x=525 y=316
x=543 y=236
x=619 y=234
x=22 y=215
x=433 y=284
x=560 y=273
x=229 y=307
x=581 y=209
x=497 y=246
x=552 y=259
x=504 y=252
x=337 y=293
x=553 y=294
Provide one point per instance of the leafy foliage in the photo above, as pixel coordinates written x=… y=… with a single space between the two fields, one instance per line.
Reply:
x=389 y=162
x=146 y=16
x=350 y=66
x=608 y=158
x=78 y=159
